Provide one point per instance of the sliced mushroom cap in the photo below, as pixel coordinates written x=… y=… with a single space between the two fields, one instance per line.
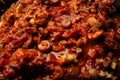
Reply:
x=44 y=45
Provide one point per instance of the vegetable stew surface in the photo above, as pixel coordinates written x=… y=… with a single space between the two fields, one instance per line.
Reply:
x=60 y=40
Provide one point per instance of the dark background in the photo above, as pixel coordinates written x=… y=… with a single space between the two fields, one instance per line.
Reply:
x=5 y=4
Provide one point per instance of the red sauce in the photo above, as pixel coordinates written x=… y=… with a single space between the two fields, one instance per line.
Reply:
x=60 y=40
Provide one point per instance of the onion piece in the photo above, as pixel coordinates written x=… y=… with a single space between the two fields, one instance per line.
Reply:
x=113 y=65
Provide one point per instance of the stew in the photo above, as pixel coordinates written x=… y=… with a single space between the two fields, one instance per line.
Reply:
x=60 y=40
